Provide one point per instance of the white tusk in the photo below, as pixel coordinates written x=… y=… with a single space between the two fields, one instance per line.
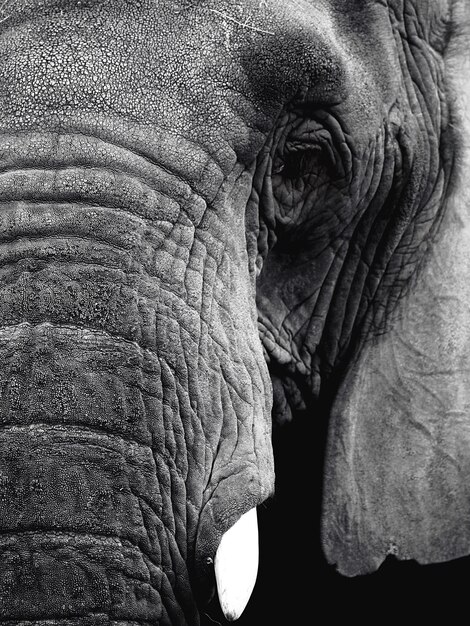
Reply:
x=236 y=565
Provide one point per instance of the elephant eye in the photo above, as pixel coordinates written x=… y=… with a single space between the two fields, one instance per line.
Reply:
x=299 y=161
x=308 y=153
x=311 y=169
x=305 y=160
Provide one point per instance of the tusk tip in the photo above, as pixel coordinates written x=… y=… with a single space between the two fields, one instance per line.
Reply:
x=236 y=565
x=232 y=616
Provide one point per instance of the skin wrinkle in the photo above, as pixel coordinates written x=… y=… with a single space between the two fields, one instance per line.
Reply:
x=146 y=147
x=128 y=153
x=82 y=166
x=415 y=268
x=33 y=216
x=75 y=532
x=171 y=293
x=398 y=245
x=70 y=197
x=375 y=234
x=72 y=532
x=363 y=264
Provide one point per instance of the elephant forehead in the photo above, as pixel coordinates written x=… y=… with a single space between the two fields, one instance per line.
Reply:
x=215 y=71
x=199 y=68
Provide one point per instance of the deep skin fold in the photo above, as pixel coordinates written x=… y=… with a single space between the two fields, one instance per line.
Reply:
x=133 y=349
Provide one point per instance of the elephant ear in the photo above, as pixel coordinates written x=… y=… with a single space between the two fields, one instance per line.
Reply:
x=397 y=472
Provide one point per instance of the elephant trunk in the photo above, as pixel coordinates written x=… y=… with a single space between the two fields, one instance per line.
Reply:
x=119 y=412
x=93 y=459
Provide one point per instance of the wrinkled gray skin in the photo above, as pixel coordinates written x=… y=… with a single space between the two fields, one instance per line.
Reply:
x=198 y=198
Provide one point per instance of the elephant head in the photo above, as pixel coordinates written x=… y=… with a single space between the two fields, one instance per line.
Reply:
x=214 y=213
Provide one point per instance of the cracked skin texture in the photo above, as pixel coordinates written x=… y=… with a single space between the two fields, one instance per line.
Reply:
x=210 y=208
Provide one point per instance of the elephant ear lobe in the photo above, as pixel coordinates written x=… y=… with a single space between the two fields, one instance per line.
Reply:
x=397 y=473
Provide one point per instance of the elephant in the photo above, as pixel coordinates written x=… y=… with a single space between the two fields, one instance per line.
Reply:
x=224 y=223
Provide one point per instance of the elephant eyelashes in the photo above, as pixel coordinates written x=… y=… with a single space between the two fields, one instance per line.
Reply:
x=300 y=161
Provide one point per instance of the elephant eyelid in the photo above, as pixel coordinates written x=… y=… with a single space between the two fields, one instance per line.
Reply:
x=304 y=156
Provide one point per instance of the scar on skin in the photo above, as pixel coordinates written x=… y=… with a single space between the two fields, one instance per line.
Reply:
x=242 y=24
